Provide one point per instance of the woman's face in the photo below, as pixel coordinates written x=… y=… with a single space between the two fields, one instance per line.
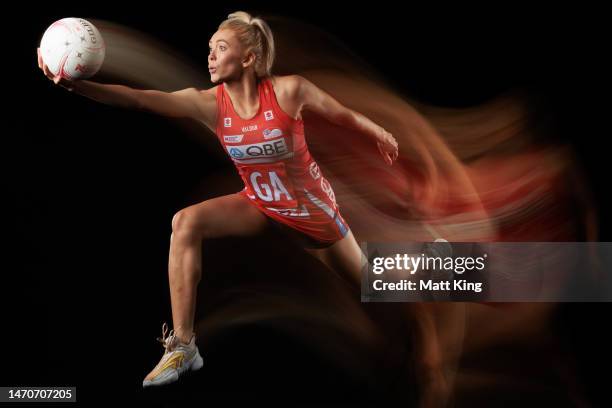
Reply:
x=225 y=57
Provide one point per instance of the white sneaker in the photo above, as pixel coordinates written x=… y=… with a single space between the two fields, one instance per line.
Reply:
x=177 y=359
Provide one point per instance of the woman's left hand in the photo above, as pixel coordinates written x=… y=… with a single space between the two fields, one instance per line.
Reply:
x=388 y=147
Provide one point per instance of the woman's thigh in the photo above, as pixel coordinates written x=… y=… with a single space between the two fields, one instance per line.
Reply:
x=229 y=215
x=344 y=257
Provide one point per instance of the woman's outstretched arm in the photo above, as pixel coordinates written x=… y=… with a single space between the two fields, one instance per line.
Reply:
x=186 y=103
x=320 y=102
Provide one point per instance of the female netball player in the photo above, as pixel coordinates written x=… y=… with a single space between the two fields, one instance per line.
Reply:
x=257 y=118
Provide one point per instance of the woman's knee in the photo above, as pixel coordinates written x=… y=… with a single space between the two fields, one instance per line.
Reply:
x=218 y=217
x=186 y=225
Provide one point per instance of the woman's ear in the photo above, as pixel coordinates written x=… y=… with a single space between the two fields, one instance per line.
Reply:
x=248 y=60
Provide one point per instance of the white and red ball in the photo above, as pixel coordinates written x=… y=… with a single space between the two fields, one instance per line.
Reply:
x=73 y=48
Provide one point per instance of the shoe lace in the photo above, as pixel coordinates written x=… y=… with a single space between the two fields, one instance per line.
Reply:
x=169 y=340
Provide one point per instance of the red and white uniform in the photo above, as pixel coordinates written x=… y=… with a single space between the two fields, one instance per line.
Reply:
x=280 y=176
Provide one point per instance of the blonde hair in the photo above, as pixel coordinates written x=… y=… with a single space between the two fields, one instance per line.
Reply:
x=256 y=36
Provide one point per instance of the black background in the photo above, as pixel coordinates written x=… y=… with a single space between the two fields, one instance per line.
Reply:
x=90 y=190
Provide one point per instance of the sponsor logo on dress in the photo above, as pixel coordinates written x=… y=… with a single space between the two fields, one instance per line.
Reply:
x=236 y=153
x=314 y=170
x=272 y=133
x=327 y=188
x=268 y=115
x=249 y=128
x=232 y=138
x=259 y=150
x=227 y=122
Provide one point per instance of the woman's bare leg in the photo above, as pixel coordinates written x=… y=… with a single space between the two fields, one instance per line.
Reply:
x=347 y=258
x=344 y=257
x=230 y=215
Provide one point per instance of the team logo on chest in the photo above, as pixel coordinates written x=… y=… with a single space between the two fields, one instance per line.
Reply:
x=272 y=133
x=227 y=122
x=268 y=115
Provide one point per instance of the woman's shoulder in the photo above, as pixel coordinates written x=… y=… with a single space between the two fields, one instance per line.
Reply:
x=287 y=84
x=286 y=89
x=210 y=92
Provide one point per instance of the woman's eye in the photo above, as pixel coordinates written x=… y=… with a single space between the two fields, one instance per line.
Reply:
x=222 y=48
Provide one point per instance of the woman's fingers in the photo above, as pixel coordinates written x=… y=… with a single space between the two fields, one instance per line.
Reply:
x=51 y=76
x=48 y=73
x=383 y=153
x=45 y=68
x=380 y=149
x=57 y=79
x=389 y=157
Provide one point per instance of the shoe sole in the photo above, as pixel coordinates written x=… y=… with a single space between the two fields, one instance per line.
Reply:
x=196 y=364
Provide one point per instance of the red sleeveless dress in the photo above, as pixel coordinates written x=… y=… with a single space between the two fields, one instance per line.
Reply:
x=280 y=176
